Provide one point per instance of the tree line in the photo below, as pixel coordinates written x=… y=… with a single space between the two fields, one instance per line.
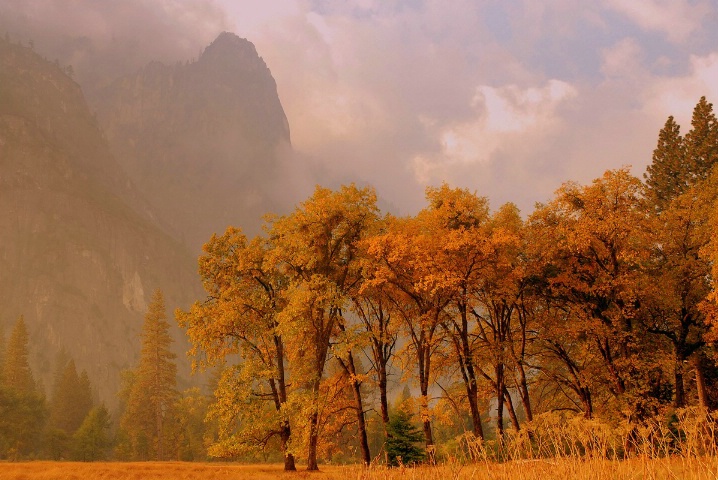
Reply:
x=154 y=421
x=600 y=303
x=70 y=424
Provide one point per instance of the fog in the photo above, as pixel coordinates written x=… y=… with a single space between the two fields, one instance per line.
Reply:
x=509 y=99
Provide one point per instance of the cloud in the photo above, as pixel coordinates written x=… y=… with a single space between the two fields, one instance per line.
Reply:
x=507 y=117
x=507 y=98
x=679 y=94
x=676 y=19
x=104 y=39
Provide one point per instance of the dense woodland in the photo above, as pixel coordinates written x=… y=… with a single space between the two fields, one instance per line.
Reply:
x=598 y=305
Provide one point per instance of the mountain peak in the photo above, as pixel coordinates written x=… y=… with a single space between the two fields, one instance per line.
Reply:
x=234 y=52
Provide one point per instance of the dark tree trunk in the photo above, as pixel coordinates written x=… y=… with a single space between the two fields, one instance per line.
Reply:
x=700 y=384
x=511 y=410
x=312 y=464
x=499 y=400
x=679 y=399
x=524 y=393
x=285 y=434
x=350 y=369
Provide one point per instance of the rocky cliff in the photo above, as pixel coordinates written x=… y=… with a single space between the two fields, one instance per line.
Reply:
x=80 y=248
x=203 y=140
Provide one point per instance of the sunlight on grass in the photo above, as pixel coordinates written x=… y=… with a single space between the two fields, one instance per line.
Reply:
x=638 y=468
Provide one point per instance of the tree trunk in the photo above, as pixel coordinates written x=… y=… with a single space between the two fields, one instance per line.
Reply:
x=679 y=400
x=524 y=393
x=499 y=401
x=350 y=369
x=700 y=383
x=475 y=413
x=312 y=464
x=511 y=410
x=285 y=434
x=585 y=395
x=426 y=423
x=384 y=403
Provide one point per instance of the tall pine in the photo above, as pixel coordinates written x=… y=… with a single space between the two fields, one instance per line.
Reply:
x=2 y=355
x=676 y=182
x=17 y=374
x=681 y=162
x=667 y=176
x=153 y=391
x=71 y=398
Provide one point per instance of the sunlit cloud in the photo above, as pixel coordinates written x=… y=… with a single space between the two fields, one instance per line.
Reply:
x=676 y=19
x=506 y=117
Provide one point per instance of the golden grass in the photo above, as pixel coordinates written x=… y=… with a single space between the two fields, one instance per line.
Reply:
x=566 y=468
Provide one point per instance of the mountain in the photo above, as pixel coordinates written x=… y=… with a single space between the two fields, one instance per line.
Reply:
x=81 y=249
x=205 y=141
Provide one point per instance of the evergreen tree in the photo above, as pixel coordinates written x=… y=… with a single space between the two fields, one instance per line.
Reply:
x=666 y=176
x=2 y=355
x=92 y=439
x=71 y=399
x=17 y=373
x=681 y=162
x=401 y=446
x=701 y=143
x=153 y=391
x=22 y=408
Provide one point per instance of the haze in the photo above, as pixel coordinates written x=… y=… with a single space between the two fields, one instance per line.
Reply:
x=508 y=98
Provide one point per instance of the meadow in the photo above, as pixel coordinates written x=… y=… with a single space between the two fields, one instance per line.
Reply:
x=697 y=468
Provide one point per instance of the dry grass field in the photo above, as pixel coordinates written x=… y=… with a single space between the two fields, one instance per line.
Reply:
x=637 y=468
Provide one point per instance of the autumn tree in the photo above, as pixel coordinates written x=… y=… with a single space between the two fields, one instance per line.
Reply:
x=246 y=292
x=316 y=246
x=192 y=408
x=682 y=197
x=153 y=390
x=380 y=331
x=593 y=237
x=459 y=221
x=404 y=267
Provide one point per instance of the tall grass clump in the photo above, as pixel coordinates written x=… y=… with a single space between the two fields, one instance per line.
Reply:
x=556 y=445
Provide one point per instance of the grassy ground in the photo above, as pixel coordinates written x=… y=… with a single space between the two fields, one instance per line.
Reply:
x=673 y=468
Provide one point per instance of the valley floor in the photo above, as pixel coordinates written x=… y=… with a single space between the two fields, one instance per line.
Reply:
x=655 y=469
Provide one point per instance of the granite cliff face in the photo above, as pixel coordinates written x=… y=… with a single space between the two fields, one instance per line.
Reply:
x=98 y=210
x=202 y=140
x=80 y=250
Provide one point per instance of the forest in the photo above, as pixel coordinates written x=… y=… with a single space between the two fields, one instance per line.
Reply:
x=342 y=334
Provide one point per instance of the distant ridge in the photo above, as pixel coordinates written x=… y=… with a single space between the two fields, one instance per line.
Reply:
x=202 y=140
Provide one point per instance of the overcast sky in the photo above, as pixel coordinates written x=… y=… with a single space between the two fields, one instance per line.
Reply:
x=507 y=98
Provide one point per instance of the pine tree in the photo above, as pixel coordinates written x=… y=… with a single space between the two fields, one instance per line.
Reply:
x=666 y=176
x=681 y=162
x=701 y=143
x=401 y=445
x=92 y=439
x=153 y=391
x=2 y=355
x=71 y=399
x=17 y=373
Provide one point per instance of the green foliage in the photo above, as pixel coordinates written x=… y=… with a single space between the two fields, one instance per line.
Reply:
x=17 y=373
x=681 y=162
x=401 y=446
x=152 y=392
x=22 y=417
x=192 y=430
x=92 y=440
